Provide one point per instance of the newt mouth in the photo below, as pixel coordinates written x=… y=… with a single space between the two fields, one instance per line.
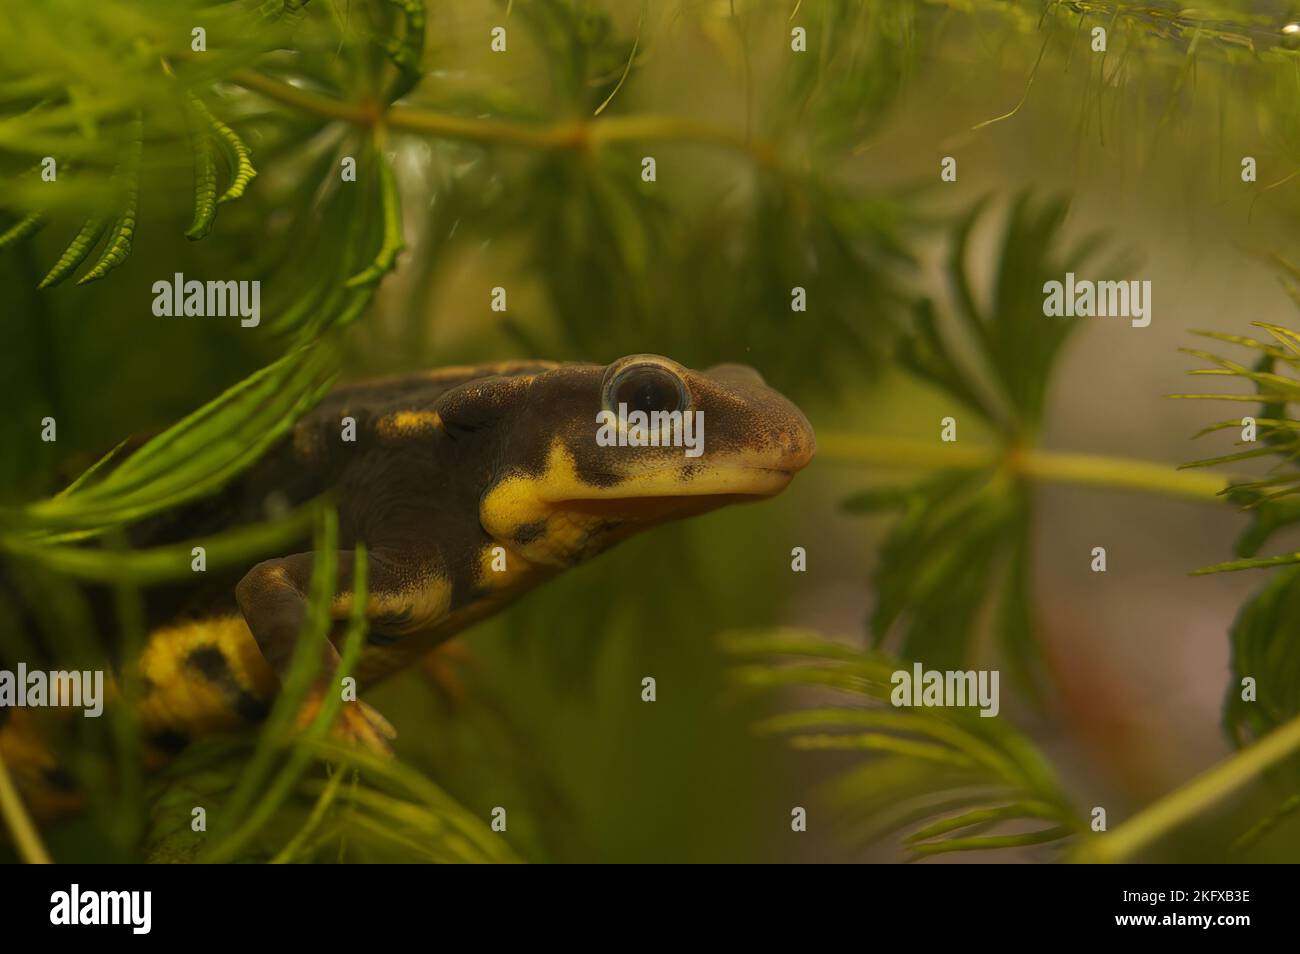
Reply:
x=668 y=493
x=736 y=482
x=657 y=507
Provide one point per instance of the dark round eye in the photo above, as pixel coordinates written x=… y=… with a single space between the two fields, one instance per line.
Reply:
x=648 y=388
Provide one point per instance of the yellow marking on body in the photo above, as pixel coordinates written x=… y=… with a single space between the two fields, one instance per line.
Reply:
x=183 y=700
x=424 y=603
x=408 y=424
x=379 y=662
x=518 y=500
x=517 y=568
x=522 y=500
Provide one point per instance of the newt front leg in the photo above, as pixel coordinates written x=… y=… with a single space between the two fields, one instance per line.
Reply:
x=273 y=599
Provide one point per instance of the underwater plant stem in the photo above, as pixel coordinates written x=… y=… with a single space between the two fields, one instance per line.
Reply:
x=299 y=98
x=30 y=847
x=1190 y=801
x=1120 y=473
x=565 y=135
x=1124 y=473
x=313 y=823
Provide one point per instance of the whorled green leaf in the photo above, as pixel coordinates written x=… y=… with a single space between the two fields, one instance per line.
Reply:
x=958 y=546
x=125 y=185
x=1015 y=346
x=345 y=225
x=406 y=50
x=1263 y=691
x=1265 y=649
x=961 y=544
x=942 y=776
x=166 y=563
x=127 y=176
x=289 y=11
x=80 y=247
x=1268 y=515
x=584 y=46
x=413 y=809
x=239 y=158
x=118 y=244
x=924 y=353
x=1283 y=813
x=391 y=204
x=205 y=184
x=304 y=254
x=194 y=457
x=855 y=64
x=1274 y=376
x=24 y=227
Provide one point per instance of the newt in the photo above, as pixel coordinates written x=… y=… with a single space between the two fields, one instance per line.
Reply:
x=468 y=486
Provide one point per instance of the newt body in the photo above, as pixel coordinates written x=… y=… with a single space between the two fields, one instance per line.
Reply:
x=468 y=487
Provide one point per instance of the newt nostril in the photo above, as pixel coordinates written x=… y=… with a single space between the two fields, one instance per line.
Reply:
x=797 y=445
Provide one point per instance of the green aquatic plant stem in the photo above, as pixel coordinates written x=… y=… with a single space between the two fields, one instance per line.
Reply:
x=26 y=839
x=576 y=134
x=1194 y=798
x=1058 y=467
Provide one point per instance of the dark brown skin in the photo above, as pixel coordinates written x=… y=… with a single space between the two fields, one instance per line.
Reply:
x=468 y=486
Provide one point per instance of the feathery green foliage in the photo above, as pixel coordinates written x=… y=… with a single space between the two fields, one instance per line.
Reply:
x=1264 y=649
x=205 y=185
x=945 y=776
x=1264 y=652
x=1273 y=376
x=197 y=455
x=962 y=538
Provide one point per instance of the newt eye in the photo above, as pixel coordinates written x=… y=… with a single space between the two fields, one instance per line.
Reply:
x=646 y=387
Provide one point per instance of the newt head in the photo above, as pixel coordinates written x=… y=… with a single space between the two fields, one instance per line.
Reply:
x=585 y=455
